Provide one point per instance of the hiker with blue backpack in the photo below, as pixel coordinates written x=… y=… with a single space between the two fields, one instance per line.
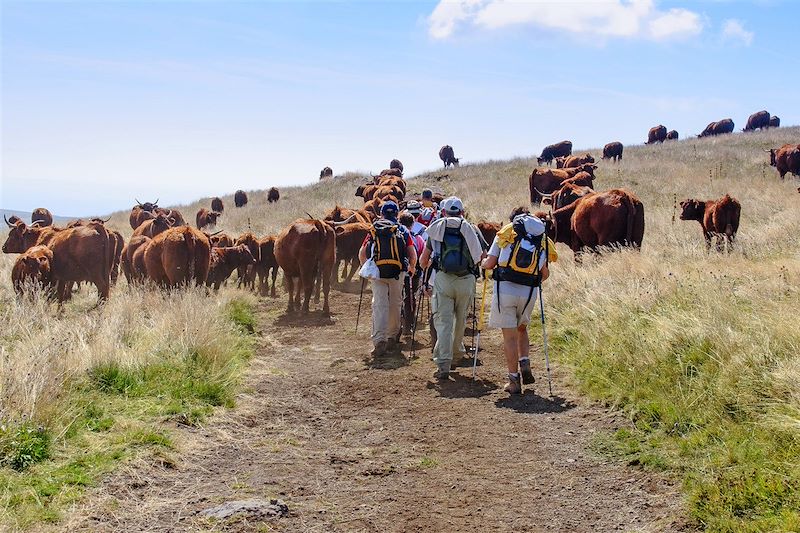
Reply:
x=453 y=251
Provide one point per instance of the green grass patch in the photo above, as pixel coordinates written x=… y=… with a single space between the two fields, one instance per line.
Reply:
x=112 y=413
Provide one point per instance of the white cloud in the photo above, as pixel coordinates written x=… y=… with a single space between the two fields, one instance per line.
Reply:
x=733 y=30
x=592 y=18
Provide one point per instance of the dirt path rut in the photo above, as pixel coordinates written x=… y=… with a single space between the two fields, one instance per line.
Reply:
x=354 y=446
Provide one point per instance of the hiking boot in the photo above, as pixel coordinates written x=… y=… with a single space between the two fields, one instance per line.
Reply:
x=442 y=375
x=525 y=372
x=391 y=345
x=513 y=386
x=461 y=361
x=380 y=349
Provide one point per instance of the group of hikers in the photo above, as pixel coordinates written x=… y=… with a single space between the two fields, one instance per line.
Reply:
x=432 y=250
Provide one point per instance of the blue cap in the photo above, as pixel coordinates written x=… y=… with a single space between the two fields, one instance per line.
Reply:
x=389 y=208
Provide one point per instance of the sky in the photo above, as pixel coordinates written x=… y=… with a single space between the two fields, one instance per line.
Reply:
x=104 y=102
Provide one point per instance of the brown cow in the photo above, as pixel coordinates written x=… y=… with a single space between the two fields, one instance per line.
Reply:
x=273 y=195
x=560 y=161
x=488 y=230
x=306 y=250
x=657 y=134
x=174 y=214
x=774 y=122
x=217 y=205
x=33 y=270
x=178 y=257
x=221 y=240
x=224 y=261
x=342 y=214
x=134 y=272
x=396 y=164
x=83 y=253
x=386 y=193
x=349 y=238
x=366 y=191
x=247 y=274
x=719 y=218
x=391 y=181
x=326 y=173
x=240 y=198
x=267 y=266
x=718 y=128
x=42 y=216
x=396 y=172
x=574 y=161
x=545 y=180
x=758 y=120
x=568 y=193
x=672 y=135
x=154 y=226
x=141 y=212
x=610 y=218
x=786 y=159
x=550 y=152
x=613 y=150
x=448 y=156
x=206 y=218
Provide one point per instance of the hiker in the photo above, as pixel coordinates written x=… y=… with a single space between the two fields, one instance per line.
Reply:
x=453 y=251
x=427 y=200
x=390 y=246
x=414 y=208
x=412 y=282
x=426 y=216
x=520 y=255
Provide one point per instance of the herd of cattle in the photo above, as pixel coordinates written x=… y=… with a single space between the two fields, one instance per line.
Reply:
x=166 y=251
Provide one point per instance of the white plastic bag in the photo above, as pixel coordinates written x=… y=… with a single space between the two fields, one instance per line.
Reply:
x=369 y=270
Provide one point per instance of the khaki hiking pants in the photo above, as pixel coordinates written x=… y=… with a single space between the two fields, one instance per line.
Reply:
x=387 y=299
x=452 y=296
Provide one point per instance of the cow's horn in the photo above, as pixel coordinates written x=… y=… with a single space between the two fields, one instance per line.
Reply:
x=106 y=220
x=343 y=222
x=7 y=222
x=215 y=233
x=156 y=202
x=310 y=216
x=543 y=195
x=138 y=202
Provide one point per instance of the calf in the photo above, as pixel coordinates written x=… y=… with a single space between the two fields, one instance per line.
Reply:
x=221 y=240
x=247 y=274
x=32 y=270
x=786 y=159
x=578 y=160
x=266 y=266
x=206 y=218
x=134 y=273
x=719 y=218
x=224 y=261
x=306 y=251
x=349 y=238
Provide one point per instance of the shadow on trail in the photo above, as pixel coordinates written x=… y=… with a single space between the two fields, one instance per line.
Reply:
x=463 y=387
x=530 y=402
x=387 y=362
x=313 y=319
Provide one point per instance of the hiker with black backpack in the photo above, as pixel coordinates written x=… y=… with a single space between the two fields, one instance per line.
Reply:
x=520 y=255
x=389 y=246
x=453 y=250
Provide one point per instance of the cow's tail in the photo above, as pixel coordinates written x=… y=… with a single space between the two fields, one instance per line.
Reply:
x=109 y=247
x=629 y=205
x=191 y=252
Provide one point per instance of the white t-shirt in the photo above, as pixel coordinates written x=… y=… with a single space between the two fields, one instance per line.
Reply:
x=509 y=287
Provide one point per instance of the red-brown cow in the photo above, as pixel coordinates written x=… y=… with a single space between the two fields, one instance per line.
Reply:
x=178 y=257
x=273 y=195
x=206 y=218
x=267 y=266
x=391 y=181
x=613 y=150
x=154 y=226
x=550 y=152
x=342 y=214
x=574 y=161
x=396 y=164
x=224 y=261
x=33 y=270
x=134 y=273
x=221 y=240
x=672 y=135
x=395 y=172
x=349 y=238
x=217 y=205
x=545 y=180
x=83 y=253
x=657 y=134
x=141 y=212
x=774 y=122
x=306 y=251
x=786 y=159
x=240 y=198
x=448 y=156
x=42 y=216
x=719 y=218
x=247 y=274
x=325 y=173
x=568 y=193
x=758 y=120
x=488 y=230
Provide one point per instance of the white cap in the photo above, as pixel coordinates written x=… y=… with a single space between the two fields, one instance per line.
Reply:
x=453 y=205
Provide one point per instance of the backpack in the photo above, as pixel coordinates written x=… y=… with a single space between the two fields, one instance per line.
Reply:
x=389 y=248
x=454 y=256
x=522 y=264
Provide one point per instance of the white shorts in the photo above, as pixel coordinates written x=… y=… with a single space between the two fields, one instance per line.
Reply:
x=512 y=312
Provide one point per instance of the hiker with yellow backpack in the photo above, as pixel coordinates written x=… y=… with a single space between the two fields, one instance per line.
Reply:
x=520 y=256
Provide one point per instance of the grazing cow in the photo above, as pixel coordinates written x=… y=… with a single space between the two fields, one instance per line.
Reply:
x=221 y=240
x=273 y=195
x=267 y=266
x=247 y=274
x=786 y=159
x=774 y=122
x=33 y=269
x=657 y=134
x=545 y=180
x=342 y=214
x=306 y=251
x=574 y=161
x=42 y=216
x=154 y=226
x=672 y=135
x=610 y=218
x=217 y=205
x=326 y=173
x=206 y=218
x=719 y=218
x=224 y=261
x=178 y=257
x=349 y=238
x=550 y=152
x=613 y=150
x=396 y=164
x=448 y=156
x=718 y=128
x=488 y=230
x=758 y=120
x=134 y=273
x=240 y=198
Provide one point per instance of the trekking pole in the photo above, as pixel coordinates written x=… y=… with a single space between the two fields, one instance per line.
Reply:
x=480 y=328
x=544 y=336
x=419 y=300
x=360 y=297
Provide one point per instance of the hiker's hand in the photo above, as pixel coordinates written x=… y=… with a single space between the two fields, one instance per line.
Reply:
x=411 y=271
x=427 y=290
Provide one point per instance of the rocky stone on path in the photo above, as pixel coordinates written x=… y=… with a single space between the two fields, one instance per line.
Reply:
x=255 y=509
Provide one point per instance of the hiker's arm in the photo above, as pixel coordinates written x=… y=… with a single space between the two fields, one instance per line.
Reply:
x=545 y=272
x=362 y=254
x=411 y=252
x=425 y=258
x=490 y=262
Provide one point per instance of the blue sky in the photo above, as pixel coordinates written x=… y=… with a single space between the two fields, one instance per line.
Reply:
x=103 y=102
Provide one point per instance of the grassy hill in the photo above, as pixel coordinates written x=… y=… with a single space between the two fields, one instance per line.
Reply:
x=700 y=350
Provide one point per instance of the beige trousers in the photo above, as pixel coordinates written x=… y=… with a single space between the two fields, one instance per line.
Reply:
x=452 y=296
x=387 y=299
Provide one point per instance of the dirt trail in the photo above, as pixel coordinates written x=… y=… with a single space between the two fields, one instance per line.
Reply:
x=353 y=447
